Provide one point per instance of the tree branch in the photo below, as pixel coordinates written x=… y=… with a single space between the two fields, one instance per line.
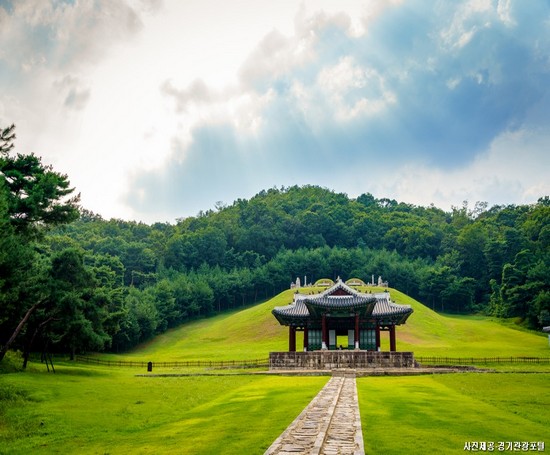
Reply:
x=18 y=329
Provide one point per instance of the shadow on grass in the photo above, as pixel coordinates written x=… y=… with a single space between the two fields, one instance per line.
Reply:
x=68 y=370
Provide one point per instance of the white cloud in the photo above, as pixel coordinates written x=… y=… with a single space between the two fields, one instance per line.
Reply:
x=136 y=99
x=275 y=56
x=76 y=95
x=354 y=90
x=468 y=18
x=513 y=170
x=504 y=12
x=61 y=35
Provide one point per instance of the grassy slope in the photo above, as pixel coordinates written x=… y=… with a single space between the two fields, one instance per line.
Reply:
x=253 y=332
x=429 y=333
x=250 y=333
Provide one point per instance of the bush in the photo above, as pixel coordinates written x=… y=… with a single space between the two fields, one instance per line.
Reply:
x=12 y=362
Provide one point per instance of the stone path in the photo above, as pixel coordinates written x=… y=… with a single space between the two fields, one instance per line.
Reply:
x=330 y=424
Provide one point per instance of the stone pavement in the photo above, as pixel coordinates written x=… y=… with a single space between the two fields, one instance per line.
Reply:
x=330 y=424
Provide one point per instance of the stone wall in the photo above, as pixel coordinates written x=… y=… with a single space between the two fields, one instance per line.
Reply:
x=328 y=360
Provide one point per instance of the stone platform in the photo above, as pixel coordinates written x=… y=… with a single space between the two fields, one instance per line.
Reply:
x=330 y=360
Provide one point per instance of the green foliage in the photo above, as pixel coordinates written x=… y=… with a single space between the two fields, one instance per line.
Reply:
x=252 y=250
x=11 y=363
x=33 y=197
x=146 y=279
x=37 y=195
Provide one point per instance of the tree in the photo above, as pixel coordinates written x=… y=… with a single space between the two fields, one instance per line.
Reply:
x=142 y=309
x=73 y=314
x=37 y=195
x=20 y=279
x=7 y=136
x=435 y=282
x=34 y=197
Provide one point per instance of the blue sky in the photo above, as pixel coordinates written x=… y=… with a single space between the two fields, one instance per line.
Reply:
x=157 y=109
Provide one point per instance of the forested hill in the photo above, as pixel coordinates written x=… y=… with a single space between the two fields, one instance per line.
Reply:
x=113 y=284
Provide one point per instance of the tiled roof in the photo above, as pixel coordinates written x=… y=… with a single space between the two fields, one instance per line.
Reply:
x=358 y=303
x=379 y=305
x=297 y=309
x=386 y=309
x=339 y=301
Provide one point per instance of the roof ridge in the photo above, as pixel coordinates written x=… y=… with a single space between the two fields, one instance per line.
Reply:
x=339 y=285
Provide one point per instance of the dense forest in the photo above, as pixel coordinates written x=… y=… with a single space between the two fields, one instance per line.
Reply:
x=71 y=281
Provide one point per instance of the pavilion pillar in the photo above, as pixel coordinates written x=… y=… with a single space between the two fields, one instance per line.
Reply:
x=306 y=339
x=392 y=338
x=324 y=332
x=356 y=334
x=291 y=339
x=377 y=337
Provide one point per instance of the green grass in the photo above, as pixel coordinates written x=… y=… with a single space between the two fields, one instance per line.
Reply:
x=253 y=332
x=85 y=409
x=428 y=333
x=440 y=413
x=245 y=334
x=91 y=410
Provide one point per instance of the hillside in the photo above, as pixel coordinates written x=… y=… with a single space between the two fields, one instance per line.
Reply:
x=253 y=332
x=132 y=281
x=429 y=333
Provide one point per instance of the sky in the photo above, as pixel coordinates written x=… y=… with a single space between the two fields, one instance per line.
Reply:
x=159 y=109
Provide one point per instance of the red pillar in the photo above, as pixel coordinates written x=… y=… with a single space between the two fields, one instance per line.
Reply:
x=356 y=335
x=324 y=332
x=292 y=338
x=377 y=337
x=306 y=339
x=392 y=338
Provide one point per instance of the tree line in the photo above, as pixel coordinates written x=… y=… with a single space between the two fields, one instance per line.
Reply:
x=71 y=281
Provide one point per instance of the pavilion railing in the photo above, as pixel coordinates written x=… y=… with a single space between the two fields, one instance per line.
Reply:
x=256 y=363
x=479 y=360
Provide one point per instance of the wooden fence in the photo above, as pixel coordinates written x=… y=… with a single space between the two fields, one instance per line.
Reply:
x=264 y=363
x=256 y=363
x=479 y=360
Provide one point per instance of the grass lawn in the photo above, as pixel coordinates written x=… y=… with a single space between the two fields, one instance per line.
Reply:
x=440 y=413
x=110 y=411
x=90 y=410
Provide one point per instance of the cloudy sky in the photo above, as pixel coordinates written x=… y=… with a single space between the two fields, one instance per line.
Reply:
x=157 y=109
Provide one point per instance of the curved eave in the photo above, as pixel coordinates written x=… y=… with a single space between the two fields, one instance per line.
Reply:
x=294 y=314
x=304 y=310
x=387 y=312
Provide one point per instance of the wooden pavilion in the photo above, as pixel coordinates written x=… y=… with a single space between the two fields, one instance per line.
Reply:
x=342 y=311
